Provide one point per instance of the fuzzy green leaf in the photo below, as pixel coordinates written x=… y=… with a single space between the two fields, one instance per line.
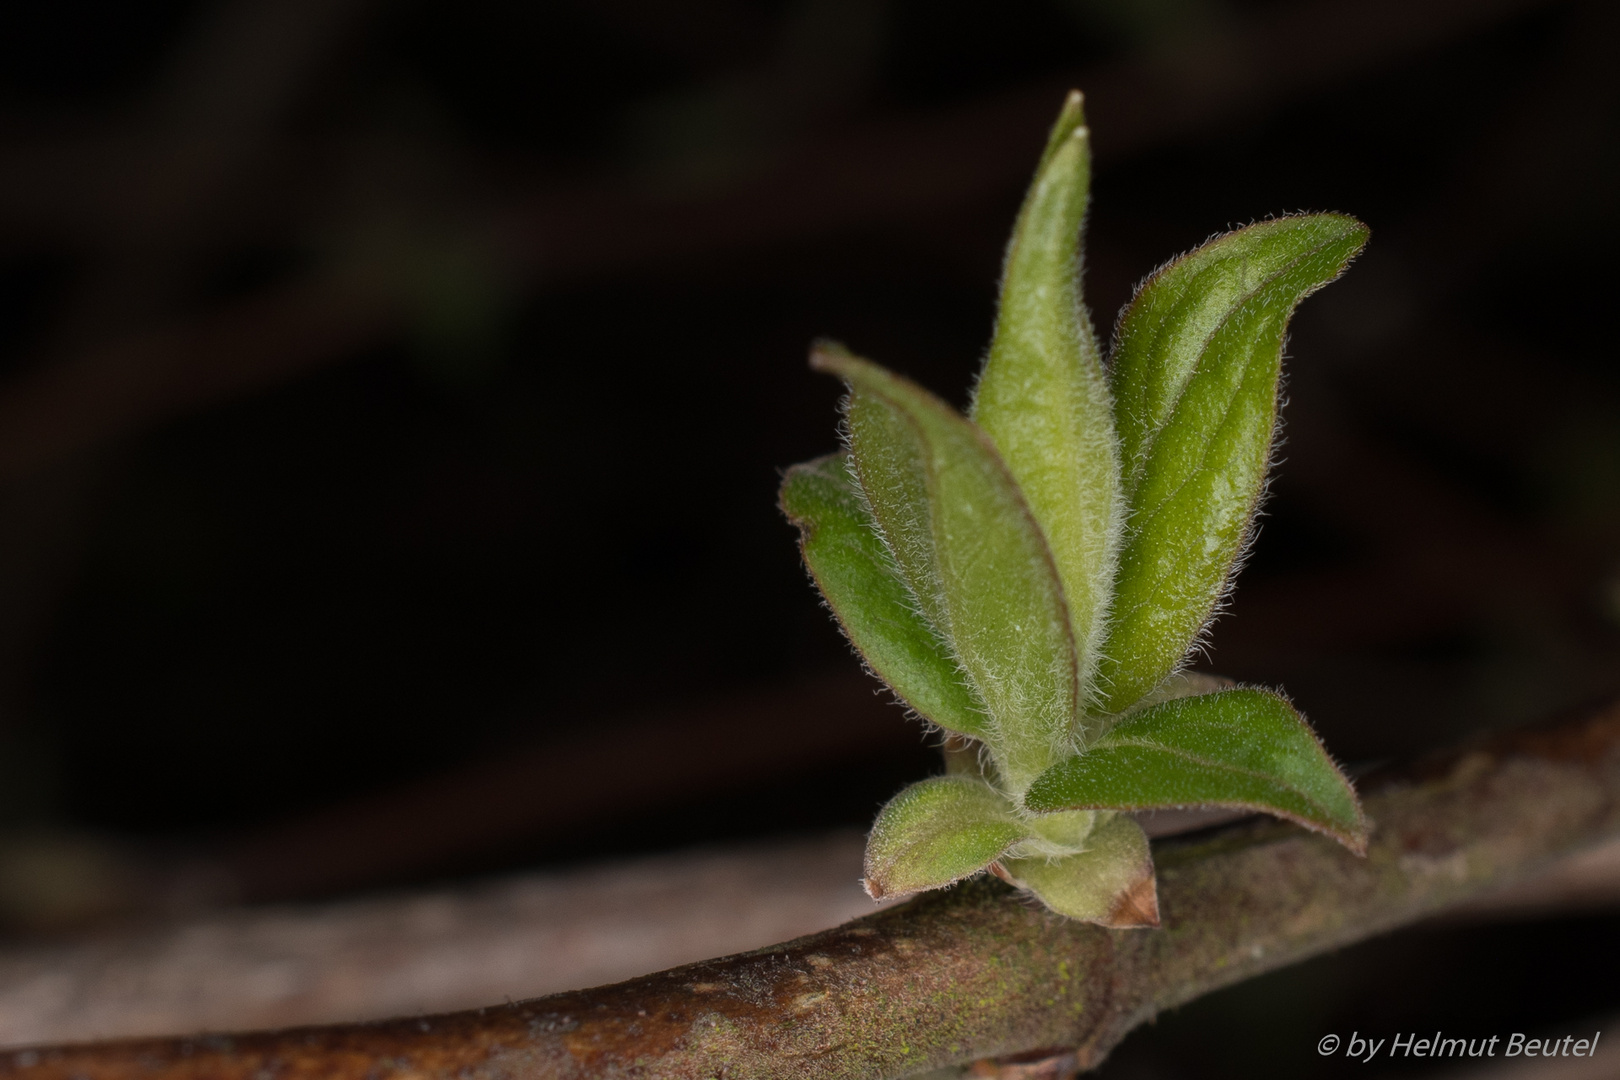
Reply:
x=1194 y=372
x=1110 y=882
x=1043 y=398
x=936 y=832
x=972 y=554
x=880 y=616
x=1242 y=748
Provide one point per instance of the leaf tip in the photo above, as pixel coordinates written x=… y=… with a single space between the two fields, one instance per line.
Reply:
x=1136 y=907
x=1353 y=836
x=829 y=356
x=1356 y=231
x=1071 y=117
x=1356 y=839
x=1070 y=124
x=874 y=880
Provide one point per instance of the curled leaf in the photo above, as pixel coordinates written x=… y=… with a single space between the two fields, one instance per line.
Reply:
x=1242 y=748
x=1195 y=373
x=938 y=831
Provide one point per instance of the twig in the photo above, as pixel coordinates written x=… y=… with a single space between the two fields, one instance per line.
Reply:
x=976 y=972
x=426 y=950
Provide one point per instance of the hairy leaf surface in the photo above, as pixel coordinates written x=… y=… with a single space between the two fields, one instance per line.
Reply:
x=877 y=610
x=1242 y=748
x=971 y=552
x=1043 y=398
x=1195 y=372
x=936 y=832
x=1110 y=882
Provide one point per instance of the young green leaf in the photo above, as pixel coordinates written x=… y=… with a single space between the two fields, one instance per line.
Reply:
x=1043 y=398
x=972 y=554
x=1110 y=882
x=938 y=831
x=1243 y=748
x=875 y=607
x=894 y=477
x=1063 y=833
x=1195 y=372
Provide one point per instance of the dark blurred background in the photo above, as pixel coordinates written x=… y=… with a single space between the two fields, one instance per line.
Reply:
x=393 y=396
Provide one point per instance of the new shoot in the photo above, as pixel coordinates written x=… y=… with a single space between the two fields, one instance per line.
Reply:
x=1032 y=577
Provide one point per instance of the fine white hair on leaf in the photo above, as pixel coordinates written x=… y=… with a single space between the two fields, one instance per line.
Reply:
x=1199 y=647
x=1148 y=278
x=1199 y=644
x=913 y=604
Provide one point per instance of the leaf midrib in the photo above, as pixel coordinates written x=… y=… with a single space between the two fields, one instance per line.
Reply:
x=1145 y=744
x=931 y=480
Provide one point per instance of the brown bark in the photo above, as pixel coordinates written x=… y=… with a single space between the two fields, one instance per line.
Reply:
x=976 y=971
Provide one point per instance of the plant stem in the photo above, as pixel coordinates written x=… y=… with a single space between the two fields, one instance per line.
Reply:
x=976 y=972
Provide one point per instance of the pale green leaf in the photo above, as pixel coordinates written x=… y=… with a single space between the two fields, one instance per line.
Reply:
x=936 y=832
x=1195 y=372
x=1110 y=882
x=1062 y=833
x=875 y=607
x=1242 y=748
x=972 y=554
x=1043 y=398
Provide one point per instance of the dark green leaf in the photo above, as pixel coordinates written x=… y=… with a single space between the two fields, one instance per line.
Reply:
x=1241 y=748
x=1194 y=375
x=876 y=609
